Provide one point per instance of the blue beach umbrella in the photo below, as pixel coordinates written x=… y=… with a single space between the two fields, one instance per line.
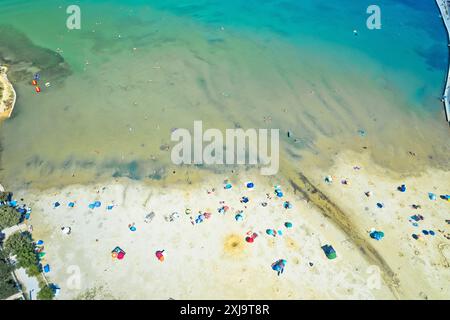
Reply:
x=287 y=205
x=288 y=224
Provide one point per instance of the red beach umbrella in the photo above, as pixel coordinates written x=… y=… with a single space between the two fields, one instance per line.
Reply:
x=250 y=239
x=159 y=255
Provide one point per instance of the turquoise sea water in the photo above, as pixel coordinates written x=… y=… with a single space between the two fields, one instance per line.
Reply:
x=138 y=69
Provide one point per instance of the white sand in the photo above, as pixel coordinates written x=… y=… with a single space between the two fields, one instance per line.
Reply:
x=210 y=260
x=422 y=266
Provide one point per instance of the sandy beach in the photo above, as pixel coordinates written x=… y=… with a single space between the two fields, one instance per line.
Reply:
x=209 y=260
x=212 y=260
x=7 y=94
x=420 y=267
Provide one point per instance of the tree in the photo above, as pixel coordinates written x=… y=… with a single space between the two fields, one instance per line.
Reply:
x=5 y=196
x=7 y=284
x=21 y=245
x=8 y=217
x=46 y=293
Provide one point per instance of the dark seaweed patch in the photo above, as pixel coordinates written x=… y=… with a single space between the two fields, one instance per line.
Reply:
x=22 y=55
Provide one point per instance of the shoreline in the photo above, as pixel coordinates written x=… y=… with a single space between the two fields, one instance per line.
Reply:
x=9 y=96
x=445 y=15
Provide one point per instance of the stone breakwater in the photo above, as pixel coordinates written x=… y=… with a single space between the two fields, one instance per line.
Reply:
x=444 y=9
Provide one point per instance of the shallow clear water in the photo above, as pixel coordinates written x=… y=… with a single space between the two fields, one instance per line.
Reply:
x=136 y=70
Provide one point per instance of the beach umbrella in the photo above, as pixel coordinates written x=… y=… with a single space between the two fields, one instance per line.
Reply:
x=288 y=224
x=159 y=255
x=377 y=235
x=276 y=266
x=279 y=265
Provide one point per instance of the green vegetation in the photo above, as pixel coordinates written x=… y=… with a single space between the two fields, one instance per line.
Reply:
x=46 y=293
x=21 y=245
x=7 y=284
x=1 y=91
x=4 y=196
x=8 y=217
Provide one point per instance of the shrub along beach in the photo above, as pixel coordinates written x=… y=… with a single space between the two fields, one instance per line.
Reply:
x=19 y=252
